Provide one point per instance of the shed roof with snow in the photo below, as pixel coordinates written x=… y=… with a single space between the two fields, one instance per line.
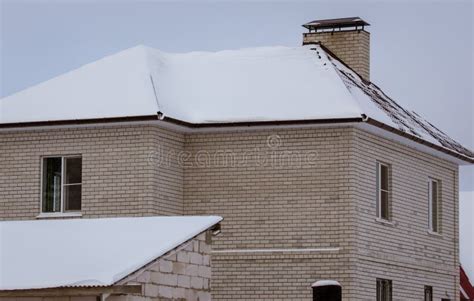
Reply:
x=88 y=252
x=246 y=86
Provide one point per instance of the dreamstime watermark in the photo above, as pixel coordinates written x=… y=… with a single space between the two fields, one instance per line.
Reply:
x=272 y=154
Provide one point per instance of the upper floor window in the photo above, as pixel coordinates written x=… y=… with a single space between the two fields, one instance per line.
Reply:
x=383 y=191
x=433 y=199
x=61 y=184
x=384 y=290
x=428 y=293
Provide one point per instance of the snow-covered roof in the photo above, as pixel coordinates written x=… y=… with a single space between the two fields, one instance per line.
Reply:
x=234 y=86
x=88 y=252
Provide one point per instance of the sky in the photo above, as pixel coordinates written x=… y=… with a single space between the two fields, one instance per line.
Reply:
x=422 y=52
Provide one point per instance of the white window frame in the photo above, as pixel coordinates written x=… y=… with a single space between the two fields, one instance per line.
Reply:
x=62 y=212
x=379 y=191
x=430 y=205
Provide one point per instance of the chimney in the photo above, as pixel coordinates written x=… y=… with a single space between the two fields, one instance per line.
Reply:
x=346 y=38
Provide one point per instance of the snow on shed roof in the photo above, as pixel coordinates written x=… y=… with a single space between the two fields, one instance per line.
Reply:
x=232 y=86
x=88 y=252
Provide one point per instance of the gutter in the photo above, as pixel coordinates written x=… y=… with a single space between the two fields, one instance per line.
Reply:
x=161 y=117
x=78 y=121
x=260 y=123
x=388 y=128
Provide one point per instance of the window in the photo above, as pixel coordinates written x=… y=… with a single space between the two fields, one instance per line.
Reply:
x=433 y=198
x=383 y=191
x=61 y=187
x=428 y=293
x=384 y=290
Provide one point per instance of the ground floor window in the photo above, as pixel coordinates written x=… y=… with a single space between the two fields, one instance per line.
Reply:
x=384 y=290
x=428 y=293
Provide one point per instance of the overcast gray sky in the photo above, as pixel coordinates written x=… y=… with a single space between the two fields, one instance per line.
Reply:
x=421 y=51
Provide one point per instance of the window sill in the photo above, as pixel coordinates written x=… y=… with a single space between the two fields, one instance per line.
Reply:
x=385 y=222
x=435 y=234
x=59 y=215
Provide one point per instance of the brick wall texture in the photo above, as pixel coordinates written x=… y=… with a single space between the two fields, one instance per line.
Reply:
x=182 y=274
x=298 y=204
x=352 y=47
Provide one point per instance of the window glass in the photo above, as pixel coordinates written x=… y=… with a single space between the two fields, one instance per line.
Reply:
x=434 y=206
x=73 y=170
x=384 y=177
x=52 y=184
x=72 y=197
x=384 y=210
x=428 y=293
x=384 y=290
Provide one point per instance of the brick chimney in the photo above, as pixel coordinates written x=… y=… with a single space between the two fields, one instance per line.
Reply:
x=346 y=38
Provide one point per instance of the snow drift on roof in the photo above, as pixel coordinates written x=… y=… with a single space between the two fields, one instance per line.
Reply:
x=269 y=83
x=246 y=85
x=88 y=252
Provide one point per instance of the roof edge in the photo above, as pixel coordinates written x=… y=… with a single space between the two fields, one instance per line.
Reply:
x=329 y=52
x=78 y=121
x=138 y=271
x=190 y=125
x=388 y=128
x=261 y=123
x=73 y=291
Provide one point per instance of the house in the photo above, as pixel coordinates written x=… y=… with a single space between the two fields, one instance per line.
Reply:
x=110 y=258
x=466 y=246
x=318 y=174
x=466 y=288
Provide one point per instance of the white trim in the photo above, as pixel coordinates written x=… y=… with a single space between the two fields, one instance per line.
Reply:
x=463 y=292
x=58 y=214
x=276 y=250
x=385 y=222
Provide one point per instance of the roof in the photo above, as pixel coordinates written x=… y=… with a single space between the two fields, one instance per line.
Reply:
x=466 y=288
x=88 y=252
x=253 y=85
x=336 y=23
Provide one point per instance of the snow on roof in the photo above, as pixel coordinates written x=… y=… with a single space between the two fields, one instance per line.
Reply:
x=88 y=252
x=232 y=86
x=325 y=283
x=378 y=106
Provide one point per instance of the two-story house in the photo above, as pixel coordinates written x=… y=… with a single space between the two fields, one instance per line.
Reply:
x=318 y=174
